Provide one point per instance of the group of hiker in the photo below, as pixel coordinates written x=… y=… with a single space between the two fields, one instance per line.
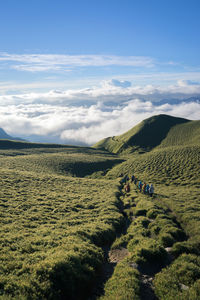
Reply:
x=146 y=188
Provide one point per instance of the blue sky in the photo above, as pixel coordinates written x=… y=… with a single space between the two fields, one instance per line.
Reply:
x=167 y=32
x=161 y=29
x=63 y=52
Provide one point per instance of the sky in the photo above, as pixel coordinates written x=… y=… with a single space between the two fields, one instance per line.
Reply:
x=78 y=71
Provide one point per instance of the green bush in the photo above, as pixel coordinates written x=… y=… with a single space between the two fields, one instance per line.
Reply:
x=194 y=291
x=146 y=250
x=143 y=221
x=139 y=211
x=124 y=283
x=185 y=270
x=166 y=239
x=153 y=213
x=122 y=241
x=185 y=247
x=154 y=229
x=50 y=228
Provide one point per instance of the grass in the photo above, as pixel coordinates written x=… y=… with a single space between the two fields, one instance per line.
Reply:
x=60 y=204
x=145 y=136
x=52 y=226
x=68 y=161
x=124 y=283
x=178 y=280
x=173 y=165
x=146 y=239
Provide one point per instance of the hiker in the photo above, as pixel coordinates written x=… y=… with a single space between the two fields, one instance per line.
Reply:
x=144 y=188
x=140 y=185
x=123 y=180
x=132 y=178
x=147 y=188
x=135 y=180
x=151 y=190
x=127 y=188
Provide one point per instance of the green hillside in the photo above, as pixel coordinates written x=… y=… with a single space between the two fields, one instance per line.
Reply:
x=61 y=208
x=55 y=159
x=183 y=134
x=145 y=136
x=53 y=223
x=175 y=165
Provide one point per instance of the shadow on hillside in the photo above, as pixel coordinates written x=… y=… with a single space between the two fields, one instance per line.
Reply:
x=82 y=169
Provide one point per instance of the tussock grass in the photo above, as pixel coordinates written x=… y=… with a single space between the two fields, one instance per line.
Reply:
x=53 y=222
x=184 y=134
x=178 y=280
x=51 y=227
x=146 y=250
x=124 y=283
x=69 y=161
x=173 y=165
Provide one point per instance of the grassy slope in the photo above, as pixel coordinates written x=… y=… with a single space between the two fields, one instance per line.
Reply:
x=172 y=165
x=183 y=135
x=174 y=168
x=71 y=161
x=58 y=221
x=51 y=224
x=146 y=135
x=175 y=172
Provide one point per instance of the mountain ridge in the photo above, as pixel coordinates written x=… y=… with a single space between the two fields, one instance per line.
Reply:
x=147 y=135
x=5 y=136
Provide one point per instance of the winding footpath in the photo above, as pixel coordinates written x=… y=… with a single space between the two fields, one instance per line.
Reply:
x=144 y=220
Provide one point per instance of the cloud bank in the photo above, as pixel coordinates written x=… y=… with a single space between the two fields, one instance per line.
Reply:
x=89 y=115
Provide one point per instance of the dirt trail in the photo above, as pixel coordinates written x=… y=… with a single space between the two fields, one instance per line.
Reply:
x=113 y=256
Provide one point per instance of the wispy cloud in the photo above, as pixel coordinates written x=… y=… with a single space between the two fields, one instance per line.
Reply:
x=38 y=68
x=44 y=62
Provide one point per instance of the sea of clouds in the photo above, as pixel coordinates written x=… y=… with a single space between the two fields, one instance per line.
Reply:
x=85 y=116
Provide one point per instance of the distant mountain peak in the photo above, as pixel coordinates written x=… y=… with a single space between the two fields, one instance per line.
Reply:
x=5 y=136
x=145 y=136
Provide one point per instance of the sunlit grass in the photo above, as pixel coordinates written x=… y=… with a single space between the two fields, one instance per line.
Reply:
x=52 y=225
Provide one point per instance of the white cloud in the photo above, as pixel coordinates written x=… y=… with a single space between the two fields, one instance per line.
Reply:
x=187 y=83
x=116 y=83
x=37 y=68
x=46 y=62
x=85 y=125
x=111 y=91
x=88 y=115
x=119 y=121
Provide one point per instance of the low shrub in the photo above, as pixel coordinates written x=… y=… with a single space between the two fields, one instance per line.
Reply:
x=194 y=291
x=154 y=229
x=177 y=233
x=170 y=282
x=153 y=213
x=122 y=241
x=139 y=211
x=143 y=221
x=146 y=250
x=138 y=229
x=185 y=247
x=124 y=283
x=166 y=239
